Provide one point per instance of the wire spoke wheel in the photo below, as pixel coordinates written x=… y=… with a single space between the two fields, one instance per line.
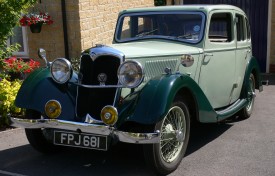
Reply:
x=251 y=94
x=172 y=132
x=247 y=110
x=165 y=156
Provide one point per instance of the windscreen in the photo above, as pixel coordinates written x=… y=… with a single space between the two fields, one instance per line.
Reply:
x=187 y=27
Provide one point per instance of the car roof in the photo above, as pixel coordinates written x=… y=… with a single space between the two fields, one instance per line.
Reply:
x=200 y=7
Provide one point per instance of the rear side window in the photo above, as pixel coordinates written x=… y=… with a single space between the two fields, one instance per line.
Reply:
x=240 y=28
x=220 y=29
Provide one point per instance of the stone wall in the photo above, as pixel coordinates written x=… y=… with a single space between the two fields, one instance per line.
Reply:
x=51 y=36
x=88 y=22
x=98 y=19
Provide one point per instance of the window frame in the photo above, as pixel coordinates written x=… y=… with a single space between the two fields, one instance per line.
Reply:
x=231 y=27
x=25 y=52
x=242 y=27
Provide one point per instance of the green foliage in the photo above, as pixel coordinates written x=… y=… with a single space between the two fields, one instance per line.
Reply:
x=160 y=2
x=10 y=12
x=75 y=63
x=8 y=92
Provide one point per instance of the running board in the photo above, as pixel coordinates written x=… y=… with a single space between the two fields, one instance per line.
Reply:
x=231 y=110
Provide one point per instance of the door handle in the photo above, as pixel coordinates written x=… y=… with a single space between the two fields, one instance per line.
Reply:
x=208 y=54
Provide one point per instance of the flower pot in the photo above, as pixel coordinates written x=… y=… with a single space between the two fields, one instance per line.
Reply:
x=36 y=28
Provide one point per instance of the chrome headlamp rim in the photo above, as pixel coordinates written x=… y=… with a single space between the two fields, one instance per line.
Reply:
x=142 y=73
x=69 y=66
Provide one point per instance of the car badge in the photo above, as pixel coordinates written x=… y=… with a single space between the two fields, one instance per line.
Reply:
x=102 y=78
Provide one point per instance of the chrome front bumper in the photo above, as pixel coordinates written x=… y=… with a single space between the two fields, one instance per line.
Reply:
x=128 y=137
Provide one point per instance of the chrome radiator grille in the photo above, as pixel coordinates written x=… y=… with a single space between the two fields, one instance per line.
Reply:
x=92 y=100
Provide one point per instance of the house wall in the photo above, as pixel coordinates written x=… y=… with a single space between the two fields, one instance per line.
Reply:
x=51 y=36
x=89 y=22
x=98 y=19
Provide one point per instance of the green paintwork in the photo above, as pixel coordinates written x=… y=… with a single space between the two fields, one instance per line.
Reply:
x=154 y=100
x=252 y=67
x=39 y=88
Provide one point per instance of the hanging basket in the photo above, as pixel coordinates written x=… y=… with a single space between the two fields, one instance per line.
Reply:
x=36 y=28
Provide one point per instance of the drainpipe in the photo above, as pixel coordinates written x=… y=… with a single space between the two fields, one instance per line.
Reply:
x=269 y=36
x=65 y=29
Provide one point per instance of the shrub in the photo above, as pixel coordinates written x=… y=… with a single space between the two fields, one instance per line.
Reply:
x=8 y=92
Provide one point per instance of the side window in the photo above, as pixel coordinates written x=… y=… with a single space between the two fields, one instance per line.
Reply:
x=248 y=33
x=240 y=28
x=220 y=29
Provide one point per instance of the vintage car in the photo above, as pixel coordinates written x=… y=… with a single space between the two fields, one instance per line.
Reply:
x=168 y=68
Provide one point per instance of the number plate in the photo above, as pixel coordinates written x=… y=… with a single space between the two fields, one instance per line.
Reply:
x=81 y=140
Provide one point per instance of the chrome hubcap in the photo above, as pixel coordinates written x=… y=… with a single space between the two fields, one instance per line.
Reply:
x=173 y=130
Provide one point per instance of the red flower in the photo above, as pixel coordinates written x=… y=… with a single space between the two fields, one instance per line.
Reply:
x=34 y=18
x=13 y=64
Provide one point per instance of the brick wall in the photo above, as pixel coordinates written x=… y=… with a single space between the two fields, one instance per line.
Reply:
x=98 y=19
x=51 y=36
x=88 y=22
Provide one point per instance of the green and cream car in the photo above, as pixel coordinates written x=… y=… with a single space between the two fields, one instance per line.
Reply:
x=168 y=67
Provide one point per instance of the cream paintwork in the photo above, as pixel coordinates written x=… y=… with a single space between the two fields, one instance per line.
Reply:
x=218 y=67
x=158 y=50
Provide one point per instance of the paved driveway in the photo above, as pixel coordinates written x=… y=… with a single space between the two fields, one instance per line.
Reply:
x=229 y=149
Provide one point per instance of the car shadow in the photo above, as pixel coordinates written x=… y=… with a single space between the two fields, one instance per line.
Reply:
x=121 y=159
x=202 y=134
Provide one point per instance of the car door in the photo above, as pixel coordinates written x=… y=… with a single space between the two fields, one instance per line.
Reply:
x=217 y=74
x=243 y=51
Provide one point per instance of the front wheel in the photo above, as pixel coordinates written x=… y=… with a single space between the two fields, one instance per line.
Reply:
x=39 y=138
x=165 y=156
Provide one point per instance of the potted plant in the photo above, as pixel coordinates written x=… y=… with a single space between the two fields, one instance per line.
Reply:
x=17 y=68
x=35 y=21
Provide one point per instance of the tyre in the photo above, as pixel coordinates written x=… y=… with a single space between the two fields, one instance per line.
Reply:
x=164 y=157
x=247 y=110
x=39 y=139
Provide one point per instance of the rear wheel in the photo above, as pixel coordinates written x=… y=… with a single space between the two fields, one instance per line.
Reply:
x=40 y=139
x=247 y=110
x=164 y=157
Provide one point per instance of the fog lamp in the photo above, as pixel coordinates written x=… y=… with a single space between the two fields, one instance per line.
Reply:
x=53 y=109
x=109 y=115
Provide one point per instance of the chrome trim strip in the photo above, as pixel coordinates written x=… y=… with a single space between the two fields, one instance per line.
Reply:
x=98 y=86
x=102 y=50
x=128 y=137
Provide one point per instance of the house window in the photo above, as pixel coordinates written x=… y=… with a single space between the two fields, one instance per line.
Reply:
x=20 y=37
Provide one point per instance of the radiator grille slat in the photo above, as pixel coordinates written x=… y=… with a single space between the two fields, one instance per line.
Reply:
x=156 y=67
